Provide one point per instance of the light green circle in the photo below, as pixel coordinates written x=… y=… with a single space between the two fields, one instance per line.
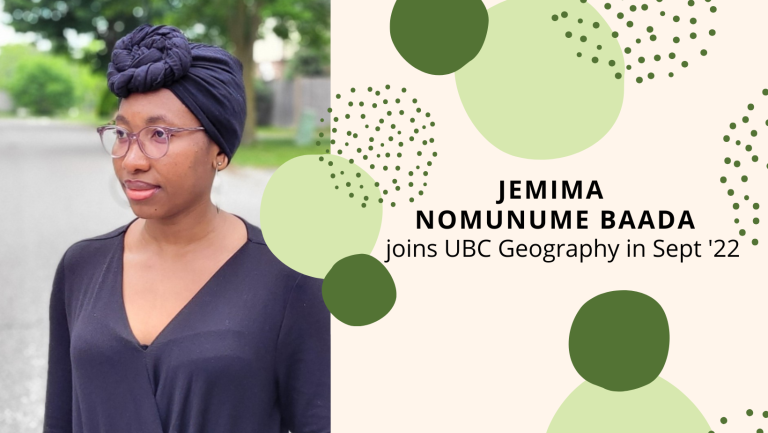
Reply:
x=658 y=407
x=529 y=94
x=309 y=224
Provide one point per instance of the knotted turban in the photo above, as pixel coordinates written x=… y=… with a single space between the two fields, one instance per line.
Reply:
x=206 y=79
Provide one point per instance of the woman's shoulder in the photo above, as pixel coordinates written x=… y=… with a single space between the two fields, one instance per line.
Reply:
x=267 y=259
x=94 y=246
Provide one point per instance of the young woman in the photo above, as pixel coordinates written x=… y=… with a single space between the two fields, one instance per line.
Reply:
x=182 y=320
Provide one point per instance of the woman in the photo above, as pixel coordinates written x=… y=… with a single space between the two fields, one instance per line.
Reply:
x=182 y=320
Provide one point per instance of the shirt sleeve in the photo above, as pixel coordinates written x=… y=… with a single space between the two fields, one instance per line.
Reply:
x=58 y=398
x=304 y=360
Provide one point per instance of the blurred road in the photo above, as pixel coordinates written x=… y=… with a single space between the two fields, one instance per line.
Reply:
x=57 y=186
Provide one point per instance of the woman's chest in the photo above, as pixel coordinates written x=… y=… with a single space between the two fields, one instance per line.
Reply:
x=229 y=326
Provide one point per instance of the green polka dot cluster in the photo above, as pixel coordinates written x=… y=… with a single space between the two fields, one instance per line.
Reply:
x=750 y=412
x=589 y=39
x=680 y=29
x=396 y=129
x=741 y=133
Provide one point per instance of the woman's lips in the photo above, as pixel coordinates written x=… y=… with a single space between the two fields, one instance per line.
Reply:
x=138 y=190
x=140 y=194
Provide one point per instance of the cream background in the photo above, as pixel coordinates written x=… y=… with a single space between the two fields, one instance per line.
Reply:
x=481 y=344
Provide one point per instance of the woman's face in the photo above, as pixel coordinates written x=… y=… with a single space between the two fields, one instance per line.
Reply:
x=180 y=180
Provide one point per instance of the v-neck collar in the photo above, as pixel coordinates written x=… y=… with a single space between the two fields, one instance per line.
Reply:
x=252 y=236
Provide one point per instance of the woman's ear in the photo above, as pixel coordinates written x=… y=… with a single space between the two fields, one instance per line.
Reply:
x=221 y=161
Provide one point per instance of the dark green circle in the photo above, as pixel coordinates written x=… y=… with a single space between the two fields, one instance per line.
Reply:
x=433 y=45
x=619 y=340
x=358 y=290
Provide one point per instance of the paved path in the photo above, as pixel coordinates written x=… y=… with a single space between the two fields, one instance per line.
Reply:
x=57 y=186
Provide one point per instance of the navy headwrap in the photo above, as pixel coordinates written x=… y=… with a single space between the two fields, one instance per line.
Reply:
x=207 y=79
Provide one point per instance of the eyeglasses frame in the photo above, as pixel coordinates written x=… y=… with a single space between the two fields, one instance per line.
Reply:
x=131 y=135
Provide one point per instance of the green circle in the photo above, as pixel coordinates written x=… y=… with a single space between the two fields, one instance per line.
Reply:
x=749 y=412
x=736 y=207
x=723 y=420
x=619 y=340
x=755 y=220
x=730 y=192
x=712 y=32
x=723 y=179
x=744 y=178
x=433 y=45
x=358 y=290
x=756 y=206
x=727 y=160
x=299 y=186
x=491 y=80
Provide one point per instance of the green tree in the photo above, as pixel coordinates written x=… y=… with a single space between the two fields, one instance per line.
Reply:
x=233 y=24
x=43 y=84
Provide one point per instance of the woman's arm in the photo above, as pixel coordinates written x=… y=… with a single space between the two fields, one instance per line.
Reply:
x=304 y=360
x=58 y=398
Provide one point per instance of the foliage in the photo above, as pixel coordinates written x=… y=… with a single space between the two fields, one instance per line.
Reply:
x=44 y=84
x=108 y=103
x=207 y=21
x=10 y=55
x=309 y=61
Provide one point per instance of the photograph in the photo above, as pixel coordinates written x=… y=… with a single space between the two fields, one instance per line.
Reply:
x=138 y=291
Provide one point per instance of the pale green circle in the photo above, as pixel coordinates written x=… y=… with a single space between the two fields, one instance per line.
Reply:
x=658 y=407
x=529 y=94
x=309 y=224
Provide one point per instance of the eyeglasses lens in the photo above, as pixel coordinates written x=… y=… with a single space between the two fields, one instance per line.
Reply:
x=154 y=141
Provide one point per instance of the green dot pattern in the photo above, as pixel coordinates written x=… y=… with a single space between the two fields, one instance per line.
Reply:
x=386 y=144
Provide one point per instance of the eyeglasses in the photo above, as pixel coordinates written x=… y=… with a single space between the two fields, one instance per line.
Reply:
x=153 y=140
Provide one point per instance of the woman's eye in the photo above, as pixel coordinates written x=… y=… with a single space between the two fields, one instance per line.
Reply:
x=159 y=133
x=120 y=133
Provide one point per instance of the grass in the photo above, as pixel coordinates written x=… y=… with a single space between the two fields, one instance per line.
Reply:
x=275 y=146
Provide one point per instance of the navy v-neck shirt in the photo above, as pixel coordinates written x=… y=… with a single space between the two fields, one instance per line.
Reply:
x=249 y=353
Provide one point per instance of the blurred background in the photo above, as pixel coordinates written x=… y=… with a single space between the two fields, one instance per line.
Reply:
x=57 y=184
x=54 y=57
